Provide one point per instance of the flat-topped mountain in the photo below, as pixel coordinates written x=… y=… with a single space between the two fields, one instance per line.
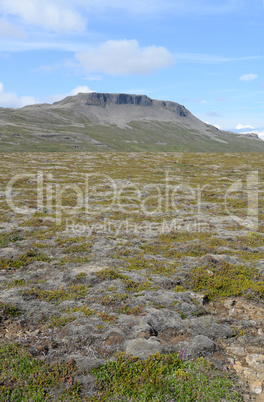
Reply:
x=101 y=99
x=114 y=122
x=122 y=109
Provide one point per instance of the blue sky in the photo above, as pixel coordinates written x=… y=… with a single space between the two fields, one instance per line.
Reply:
x=207 y=55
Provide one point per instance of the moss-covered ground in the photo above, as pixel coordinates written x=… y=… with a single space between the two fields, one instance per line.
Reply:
x=148 y=213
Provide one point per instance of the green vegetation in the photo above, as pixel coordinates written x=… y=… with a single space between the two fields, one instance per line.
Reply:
x=7 y=239
x=78 y=248
x=58 y=321
x=8 y=310
x=161 y=378
x=114 y=298
x=24 y=260
x=56 y=296
x=224 y=280
x=23 y=378
x=81 y=275
x=137 y=252
x=88 y=312
x=132 y=286
x=60 y=129
x=137 y=310
x=16 y=282
x=110 y=274
x=84 y=309
x=73 y=259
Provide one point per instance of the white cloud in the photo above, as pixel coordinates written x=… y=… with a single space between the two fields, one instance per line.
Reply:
x=124 y=57
x=248 y=77
x=175 y=7
x=75 y=91
x=49 y=14
x=215 y=125
x=63 y=15
x=10 y=99
x=210 y=58
x=200 y=101
x=204 y=58
x=80 y=89
x=42 y=42
x=245 y=129
x=48 y=68
x=213 y=113
x=242 y=126
x=8 y=30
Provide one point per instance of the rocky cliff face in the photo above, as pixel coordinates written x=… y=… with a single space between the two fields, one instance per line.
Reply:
x=106 y=99
x=103 y=99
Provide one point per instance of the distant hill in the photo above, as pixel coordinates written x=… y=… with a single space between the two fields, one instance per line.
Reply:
x=250 y=131
x=114 y=122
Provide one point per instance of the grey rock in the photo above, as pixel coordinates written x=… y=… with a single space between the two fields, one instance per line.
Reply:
x=114 y=331
x=208 y=326
x=237 y=350
x=128 y=322
x=229 y=303
x=142 y=330
x=114 y=339
x=200 y=345
x=188 y=309
x=143 y=348
x=84 y=363
x=9 y=252
x=75 y=329
x=160 y=320
x=218 y=258
x=163 y=297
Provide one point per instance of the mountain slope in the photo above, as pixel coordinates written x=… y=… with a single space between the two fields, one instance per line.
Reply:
x=114 y=122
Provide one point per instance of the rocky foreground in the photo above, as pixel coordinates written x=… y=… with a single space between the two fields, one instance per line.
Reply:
x=144 y=253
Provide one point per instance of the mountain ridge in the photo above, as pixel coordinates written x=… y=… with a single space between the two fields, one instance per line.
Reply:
x=114 y=122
